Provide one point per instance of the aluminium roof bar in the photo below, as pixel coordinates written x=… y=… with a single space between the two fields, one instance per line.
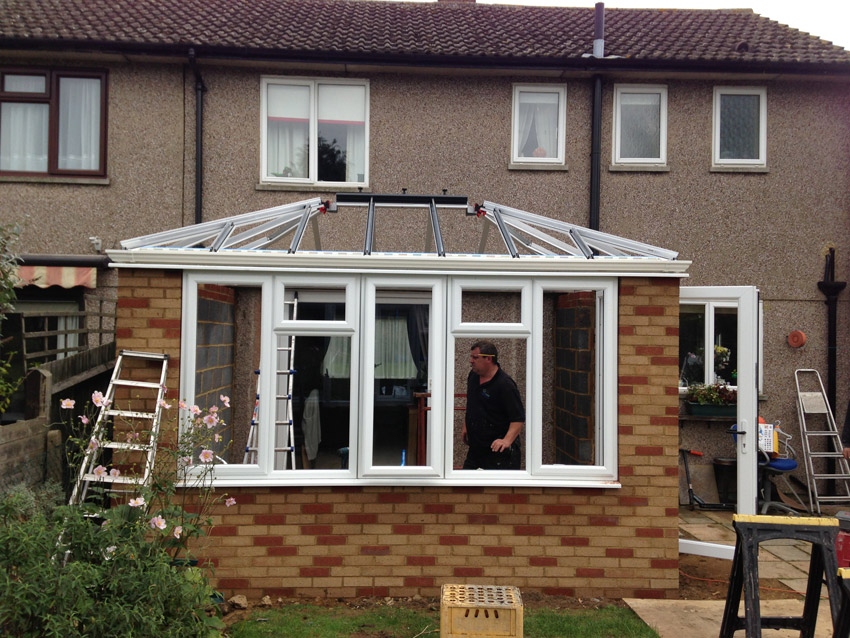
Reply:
x=401 y=200
x=435 y=223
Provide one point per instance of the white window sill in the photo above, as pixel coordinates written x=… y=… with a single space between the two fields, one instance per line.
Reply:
x=639 y=168
x=739 y=169
x=400 y=482
x=308 y=188
x=542 y=166
x=51 y=179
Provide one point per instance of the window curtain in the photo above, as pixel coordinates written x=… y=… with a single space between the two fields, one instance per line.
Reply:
x=417 y=335
x=288 y=149
x=23 y=137
x=337 y=361
x=393 y=359
x=546 y=128
x=79 y=124
x=526 y=120
x=355 y=153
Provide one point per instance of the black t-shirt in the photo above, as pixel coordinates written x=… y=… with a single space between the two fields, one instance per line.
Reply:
x=491 y=407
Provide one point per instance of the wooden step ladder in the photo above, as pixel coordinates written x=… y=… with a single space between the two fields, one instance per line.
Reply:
x=821 y=440
x=141 y=442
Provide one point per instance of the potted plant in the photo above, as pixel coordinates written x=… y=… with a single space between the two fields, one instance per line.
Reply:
x=716 y=399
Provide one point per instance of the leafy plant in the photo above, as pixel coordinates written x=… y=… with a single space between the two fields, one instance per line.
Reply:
x=8 y=279
x=115 y=565
x=714 y=394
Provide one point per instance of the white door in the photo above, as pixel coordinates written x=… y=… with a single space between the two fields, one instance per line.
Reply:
x=745 y=299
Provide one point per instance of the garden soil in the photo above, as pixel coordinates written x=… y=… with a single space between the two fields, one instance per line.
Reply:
x=700 y=578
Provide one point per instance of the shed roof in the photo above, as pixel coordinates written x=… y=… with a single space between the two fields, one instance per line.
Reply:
x=441 y=33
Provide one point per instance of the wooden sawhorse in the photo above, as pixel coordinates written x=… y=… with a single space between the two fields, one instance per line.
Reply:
x=752 y=530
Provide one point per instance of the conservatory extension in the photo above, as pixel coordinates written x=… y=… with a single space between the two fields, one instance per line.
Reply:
x=341 y=333
x=350 y=367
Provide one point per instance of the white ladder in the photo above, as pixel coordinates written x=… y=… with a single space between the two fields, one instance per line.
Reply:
x=142 y=441
x=822 y=442
x=288 y=435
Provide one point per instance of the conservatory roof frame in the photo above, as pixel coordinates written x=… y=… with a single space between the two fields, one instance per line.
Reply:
x=243 y=240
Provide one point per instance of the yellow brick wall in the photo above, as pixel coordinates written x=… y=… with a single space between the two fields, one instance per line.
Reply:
x=401 y=541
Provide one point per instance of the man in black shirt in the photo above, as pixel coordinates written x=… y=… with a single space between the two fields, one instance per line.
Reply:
x=494 y=413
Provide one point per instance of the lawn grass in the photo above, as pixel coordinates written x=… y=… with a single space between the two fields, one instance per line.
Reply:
x=310 y=621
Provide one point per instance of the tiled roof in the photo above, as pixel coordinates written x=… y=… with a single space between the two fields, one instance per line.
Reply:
x=402 y=32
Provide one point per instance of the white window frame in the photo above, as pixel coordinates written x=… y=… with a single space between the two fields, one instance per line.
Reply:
x=661 y=91
x=719 y=91
x=561 y=91
x=313 y=172
x=446 y=326
x=435 y=288
x=713 y=297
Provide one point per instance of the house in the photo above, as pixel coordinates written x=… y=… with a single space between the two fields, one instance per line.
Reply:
x=719 y=136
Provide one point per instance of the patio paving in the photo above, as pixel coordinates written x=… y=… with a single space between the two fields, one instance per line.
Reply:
x=785 y=560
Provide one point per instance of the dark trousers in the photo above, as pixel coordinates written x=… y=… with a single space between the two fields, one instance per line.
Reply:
x=486 y=459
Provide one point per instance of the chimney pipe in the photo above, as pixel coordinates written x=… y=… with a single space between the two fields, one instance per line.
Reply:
x=599 y=31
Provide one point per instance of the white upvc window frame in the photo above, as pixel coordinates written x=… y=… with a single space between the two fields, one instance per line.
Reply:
x=561 y=91
x=313 y=172
x=530 y=327
x=619 y=91
x=716 y=160
x=435 y=289
x=712 y=298
x=361 y=291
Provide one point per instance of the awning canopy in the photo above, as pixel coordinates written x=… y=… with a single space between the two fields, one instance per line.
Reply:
x=64 y=276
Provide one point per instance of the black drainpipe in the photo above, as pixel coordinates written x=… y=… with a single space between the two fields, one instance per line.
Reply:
x=200 y=89
x=596 y=121
x=831 y=288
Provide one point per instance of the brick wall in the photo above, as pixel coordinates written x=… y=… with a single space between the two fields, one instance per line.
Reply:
x=400 y=541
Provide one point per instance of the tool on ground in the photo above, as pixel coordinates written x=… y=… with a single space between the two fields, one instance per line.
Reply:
x=693 y=499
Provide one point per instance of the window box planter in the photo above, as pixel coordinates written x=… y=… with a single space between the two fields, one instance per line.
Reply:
x=696 y=409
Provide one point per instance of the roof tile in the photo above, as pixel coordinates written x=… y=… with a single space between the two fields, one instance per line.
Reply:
x=443 y=32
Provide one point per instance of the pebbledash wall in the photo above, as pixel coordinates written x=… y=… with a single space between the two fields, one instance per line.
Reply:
x=400 y=541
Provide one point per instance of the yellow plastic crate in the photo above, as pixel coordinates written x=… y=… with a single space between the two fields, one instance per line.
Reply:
x=480 y=610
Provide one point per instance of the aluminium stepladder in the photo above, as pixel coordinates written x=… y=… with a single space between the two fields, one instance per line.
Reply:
x=284 y=449
x=140 y=442
x=821 y=440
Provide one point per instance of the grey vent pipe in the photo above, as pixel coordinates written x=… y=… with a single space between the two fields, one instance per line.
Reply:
x=596 y=122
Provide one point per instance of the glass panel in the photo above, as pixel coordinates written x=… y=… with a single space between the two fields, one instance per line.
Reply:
x=537 y=134
x=287 y=135
x=401 y=373
x=342 y=133
x=491 y=307
x=315 y=399
x=691 y=344
x=640 y=125
x=726 y=345
x=79 y=124
x=739 y=126
x=570 y=435
x=227 y=354
x=315 y=305
x=497 y=403
x=25 y=83
x=23 y=137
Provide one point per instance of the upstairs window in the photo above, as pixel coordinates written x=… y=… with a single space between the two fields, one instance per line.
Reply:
x=539 y=123
x=315 y=131
x=52 y=122
x=740 y=126
x=640 y=124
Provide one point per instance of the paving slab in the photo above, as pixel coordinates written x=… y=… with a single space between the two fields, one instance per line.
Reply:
x=781 y=569
x=702 y=618
x=787 y=552
x=710 y=533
